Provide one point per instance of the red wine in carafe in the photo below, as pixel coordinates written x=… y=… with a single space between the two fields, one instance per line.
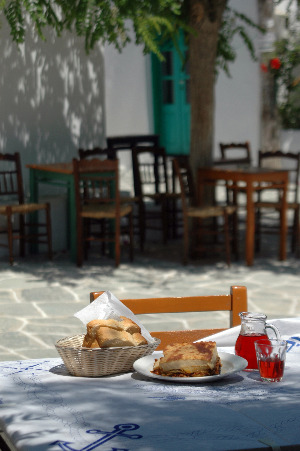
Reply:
x=244 y=347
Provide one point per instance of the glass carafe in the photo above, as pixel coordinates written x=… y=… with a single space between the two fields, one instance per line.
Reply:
x=253 y=327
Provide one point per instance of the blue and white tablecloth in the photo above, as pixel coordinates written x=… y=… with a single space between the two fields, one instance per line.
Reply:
x=42 y=407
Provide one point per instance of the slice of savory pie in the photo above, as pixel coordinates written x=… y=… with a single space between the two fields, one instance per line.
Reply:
x=189 y=360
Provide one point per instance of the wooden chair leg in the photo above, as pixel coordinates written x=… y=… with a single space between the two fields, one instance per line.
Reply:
x=235 y=234
x=142 y=224
x=10 y=236
x=80 y=239
x=295 y=230
x=185 y=241
x=49 y=231
x=226 y=238
x=117 y=242
x=165 y=220
x=130 y=220
x=22 y=235
x=257 y=230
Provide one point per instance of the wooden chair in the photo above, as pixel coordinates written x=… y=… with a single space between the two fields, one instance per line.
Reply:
x=234 y=303
x=129 y=141
x=12 y=195
x=98 y=198
x=97 y=152
x=266 y=205
x=151 y=184
x=235 y=153
x=190 y=210
x=122 y=147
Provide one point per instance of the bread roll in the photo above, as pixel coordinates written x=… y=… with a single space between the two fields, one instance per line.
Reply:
x=106 y=333
x=130 y=326
x=139 y=339
x=95 y=324
x=89 y=342
x=108 y=338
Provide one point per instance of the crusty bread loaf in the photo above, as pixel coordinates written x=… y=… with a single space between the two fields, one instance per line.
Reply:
x=130 y=326
x=139 y=339
x=95 y=324
x=89 y=342
x=106 y=333
x=112 y=338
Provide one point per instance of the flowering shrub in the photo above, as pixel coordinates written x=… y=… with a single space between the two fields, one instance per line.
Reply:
x=283 y=68
x=275 y=63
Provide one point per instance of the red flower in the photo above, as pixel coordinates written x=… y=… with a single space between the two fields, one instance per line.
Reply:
x=275 y=63
x=263 y=67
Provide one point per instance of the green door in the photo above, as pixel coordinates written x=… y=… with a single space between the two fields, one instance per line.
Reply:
x=171 y=101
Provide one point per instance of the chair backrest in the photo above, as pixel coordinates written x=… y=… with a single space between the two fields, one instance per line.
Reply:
x=96 y=182
x=236 y=153
x=130 y=141
x=97 y=152
x=287 y=161
x=150 y=170
x=11 y=182
x=183 y=173
x=234 y=303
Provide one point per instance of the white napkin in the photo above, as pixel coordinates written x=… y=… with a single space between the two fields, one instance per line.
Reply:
x=289 y=329
x=107 y=306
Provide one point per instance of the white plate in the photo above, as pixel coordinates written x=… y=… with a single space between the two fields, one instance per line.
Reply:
x=231 y=363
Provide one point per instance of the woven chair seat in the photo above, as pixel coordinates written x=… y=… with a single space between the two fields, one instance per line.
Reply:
x=13 y=203
x=98 y=200
x=209 y=212
x=276 y=205
x=22 y=208
x=104 y=211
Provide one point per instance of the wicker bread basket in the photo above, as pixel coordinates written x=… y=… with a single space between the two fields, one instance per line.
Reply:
x=98 y=362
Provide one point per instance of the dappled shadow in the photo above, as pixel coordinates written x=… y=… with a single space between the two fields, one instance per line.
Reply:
x=52 y=95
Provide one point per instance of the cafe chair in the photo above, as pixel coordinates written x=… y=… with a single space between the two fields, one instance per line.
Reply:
x=235 y=154
x=234 y=303
x=13 y=206
x=200 y=214
x=268 y=205
x=97 y=152
x=97 y=197
x=151 y=184
x=127 y=142
x=122 y=147
x=125 y=198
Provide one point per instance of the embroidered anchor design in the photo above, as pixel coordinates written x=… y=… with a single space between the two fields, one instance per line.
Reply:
x=169 y=398
x=293 y=342
x=119 y=430
x=20 y=368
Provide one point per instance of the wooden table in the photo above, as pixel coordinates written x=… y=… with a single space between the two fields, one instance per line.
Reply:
x=57 y=174
x=252 y=178
x=130 y=411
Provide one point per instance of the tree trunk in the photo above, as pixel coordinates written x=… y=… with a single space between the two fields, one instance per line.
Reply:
x=206 y=19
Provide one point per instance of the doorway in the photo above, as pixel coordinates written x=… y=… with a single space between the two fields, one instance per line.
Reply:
x=171 y=102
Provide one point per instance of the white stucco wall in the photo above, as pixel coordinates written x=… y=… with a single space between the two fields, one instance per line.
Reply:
x=51 y=103
x=51 y=97
x=128 y=91
x=237 y=114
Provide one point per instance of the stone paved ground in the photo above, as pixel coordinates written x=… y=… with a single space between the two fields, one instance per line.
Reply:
x=38 y=298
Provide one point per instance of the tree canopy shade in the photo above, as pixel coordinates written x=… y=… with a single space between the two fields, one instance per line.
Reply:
x=96 y=20
x=209 y=24
x=110 y=21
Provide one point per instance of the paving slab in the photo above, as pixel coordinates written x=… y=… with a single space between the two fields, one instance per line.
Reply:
x=38 y=298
